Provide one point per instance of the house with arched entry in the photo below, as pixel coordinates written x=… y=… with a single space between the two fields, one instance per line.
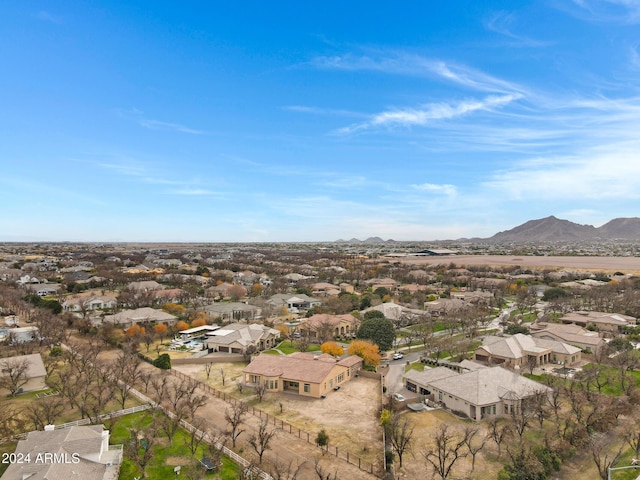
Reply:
x=322 y=327
x=525 y=351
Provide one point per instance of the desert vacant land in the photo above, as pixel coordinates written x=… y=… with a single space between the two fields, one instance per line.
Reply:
x=605 y=264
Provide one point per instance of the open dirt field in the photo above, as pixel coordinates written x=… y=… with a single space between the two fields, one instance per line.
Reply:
x=349 y=416
x=425 y=422
x=604 y=264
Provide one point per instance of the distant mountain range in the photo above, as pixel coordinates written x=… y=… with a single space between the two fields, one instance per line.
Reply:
x=368 y=240
x=551 y=229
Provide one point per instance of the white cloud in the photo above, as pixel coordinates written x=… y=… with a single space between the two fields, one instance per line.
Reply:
x=48 y=17
x=605 y=172
x=176 y=127
x=428 y=113
x=194 y=192
x=402 y=63
x=444 y=189
x=501 y=23
x=322 y=111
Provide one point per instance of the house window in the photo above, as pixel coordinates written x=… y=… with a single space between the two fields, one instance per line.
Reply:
x=307 y=388
x=440 y=396
x=331 y=383
x=494 y=409
x=341 y=378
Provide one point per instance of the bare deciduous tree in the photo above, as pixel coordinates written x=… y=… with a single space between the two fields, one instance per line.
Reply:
x=474 y=447
x=448 y=449
x=207 y=368
x=400 y=434
x=261 y=390
x=13 y=374
x=281 y=470
x=498 y=431
x=234 y=418
x=45 y=411
x=322 y=473
x=603 y=456
x=260 y=440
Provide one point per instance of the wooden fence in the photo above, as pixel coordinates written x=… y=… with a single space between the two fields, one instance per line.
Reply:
x=341 y=454
x=83 y=421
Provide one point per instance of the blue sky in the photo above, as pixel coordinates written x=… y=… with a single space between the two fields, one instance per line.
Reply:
x=314 y=121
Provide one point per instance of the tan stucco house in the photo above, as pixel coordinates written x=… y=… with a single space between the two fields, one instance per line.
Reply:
x=235 y=338
x=323 y=326
x=523 y=351
x=481 y=394
x=307 y=374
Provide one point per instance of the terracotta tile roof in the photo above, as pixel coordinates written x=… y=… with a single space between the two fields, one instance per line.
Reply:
x=297 y=368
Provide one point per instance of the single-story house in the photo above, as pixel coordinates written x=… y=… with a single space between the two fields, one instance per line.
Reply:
x=604 y=322
x=521 y=351
x=294 y=303
x=324 y=289
x=90 y=301
x=235 y=338
x=44 y=290
x=233 y=311
x=226 y=290
x=397 y=313
x=306 y=374
x=127 y=318
x=474 y=296
x=479 y=394
x=445 y=306
x=568 y=333
x=196 y=332
x=145 y=286
x=324 y=327
x=20 y=334
x=34 y=374
x=79 y=452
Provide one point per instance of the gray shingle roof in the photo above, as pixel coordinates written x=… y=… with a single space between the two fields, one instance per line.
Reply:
x=487 y=386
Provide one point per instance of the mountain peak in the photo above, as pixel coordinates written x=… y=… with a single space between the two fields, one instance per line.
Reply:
x=553 y=229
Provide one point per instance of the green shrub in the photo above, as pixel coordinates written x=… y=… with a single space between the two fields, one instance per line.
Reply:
x=163 y=362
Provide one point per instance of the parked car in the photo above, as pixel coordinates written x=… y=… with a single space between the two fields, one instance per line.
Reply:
x=398 y=397
x=397 y=356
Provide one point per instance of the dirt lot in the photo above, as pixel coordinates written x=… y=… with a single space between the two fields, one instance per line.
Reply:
x=349 y=416
x=414 y=464
x=604 y=264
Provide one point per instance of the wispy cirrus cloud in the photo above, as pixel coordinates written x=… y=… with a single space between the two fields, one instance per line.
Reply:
x=194 y=192
x=49 y=17
x=141 y=173
x=444 y=189
x=610 y=171
x=634 y=57
x=502 y=23
x=322 y=111
x=402 y=63
x=426 y=114
x=625 y=12
x=152 y=124
x=176 y=127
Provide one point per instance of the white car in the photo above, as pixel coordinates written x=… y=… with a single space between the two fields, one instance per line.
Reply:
x=397 y=397
x=397 y=356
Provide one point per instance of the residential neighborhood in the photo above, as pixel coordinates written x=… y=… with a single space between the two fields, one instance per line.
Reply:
x=308 y=341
